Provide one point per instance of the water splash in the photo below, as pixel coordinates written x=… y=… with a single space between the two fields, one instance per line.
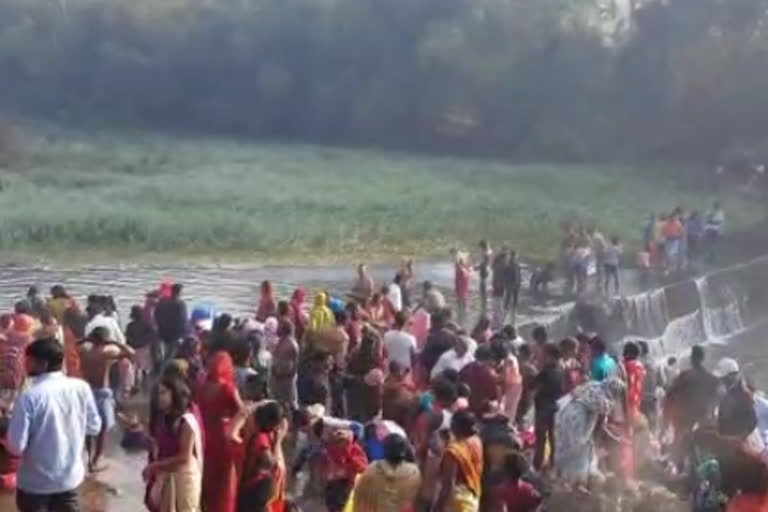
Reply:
x=720 y=310
x=645 y=314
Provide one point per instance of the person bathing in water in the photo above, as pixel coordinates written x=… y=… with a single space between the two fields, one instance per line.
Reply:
x=98 y=353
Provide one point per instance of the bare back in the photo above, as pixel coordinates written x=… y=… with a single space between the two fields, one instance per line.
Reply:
x=96 y=361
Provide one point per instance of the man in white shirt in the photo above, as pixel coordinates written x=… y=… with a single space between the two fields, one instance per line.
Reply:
x=101 y=318
x=399 y=344
x=395 y=293
x=50 y=422
x=457 y=358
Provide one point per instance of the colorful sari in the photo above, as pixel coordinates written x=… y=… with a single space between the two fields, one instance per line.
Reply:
x=218 y=405
x=180 y=490
x=468 y=455
x=321 y=315
x=386 y=488
x=261 y=488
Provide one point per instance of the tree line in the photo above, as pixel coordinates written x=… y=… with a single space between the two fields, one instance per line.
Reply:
x=546 y=79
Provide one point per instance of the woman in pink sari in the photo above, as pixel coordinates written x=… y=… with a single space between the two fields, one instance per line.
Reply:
x=219 y=403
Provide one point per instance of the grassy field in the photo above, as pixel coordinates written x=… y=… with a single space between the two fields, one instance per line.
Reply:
x=130 y=194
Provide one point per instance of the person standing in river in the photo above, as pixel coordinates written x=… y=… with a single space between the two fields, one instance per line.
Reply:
x=363 y=287
x=50 y=423
x=98 y=353
x=171 y=319
x=512 y=281
x=483 y=269
x=498 y=287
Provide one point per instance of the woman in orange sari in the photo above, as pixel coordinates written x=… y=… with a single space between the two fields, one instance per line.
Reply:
x=219 y=403
x=462 y=467
x=263 y=477
x=73 y=325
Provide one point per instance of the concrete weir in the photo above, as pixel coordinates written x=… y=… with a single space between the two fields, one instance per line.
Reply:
x=672 y=318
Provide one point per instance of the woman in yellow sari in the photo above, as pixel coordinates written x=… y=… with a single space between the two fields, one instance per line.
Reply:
x=462 y=467
x=320 y=315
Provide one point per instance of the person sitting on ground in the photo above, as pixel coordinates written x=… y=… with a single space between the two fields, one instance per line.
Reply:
x=98 y=353
x=513 y=494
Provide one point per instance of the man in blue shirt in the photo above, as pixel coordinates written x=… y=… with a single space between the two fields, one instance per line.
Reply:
x=47 y=431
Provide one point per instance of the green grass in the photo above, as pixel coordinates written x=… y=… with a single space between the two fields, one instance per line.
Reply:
x=202 y=197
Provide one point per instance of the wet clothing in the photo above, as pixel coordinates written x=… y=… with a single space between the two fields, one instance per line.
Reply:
x=736 y=413
x=171 y=319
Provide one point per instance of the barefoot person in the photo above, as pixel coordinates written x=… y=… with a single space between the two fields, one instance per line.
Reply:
x=50 y=422
x=97 y=355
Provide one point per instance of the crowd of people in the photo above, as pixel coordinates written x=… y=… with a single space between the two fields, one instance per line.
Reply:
x=380 y=402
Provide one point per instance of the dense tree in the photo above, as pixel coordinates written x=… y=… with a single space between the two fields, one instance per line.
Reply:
x=551 y=79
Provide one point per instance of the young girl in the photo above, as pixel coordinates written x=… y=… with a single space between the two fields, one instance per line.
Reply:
x=174 y=474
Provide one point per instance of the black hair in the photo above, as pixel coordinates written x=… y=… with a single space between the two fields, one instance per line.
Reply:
x=463 y=424
x=32 y=291
x=631 y=351
x=450 y=374
x=268 y=416
x=99 y=336
x=568 y=346
x=539 y=334
x=48 y=351
x=180 y=398
x=283 y=308
x=515 y=466
x=499 y=349
x=598 y=345
x=285 y=328
x=697 y=355
x=644 y=349
x=483 y=353
x=395 y=367
x=136 y=313
x=444 y=391
x=22 y=308
x=176 y=290
x=241 y=350
x=255 y=387
x=552 y=350
x=401 y=318
x=525 y=352
x=340 y=317
x=509 y=332
x=463 y=390
x=395 y=449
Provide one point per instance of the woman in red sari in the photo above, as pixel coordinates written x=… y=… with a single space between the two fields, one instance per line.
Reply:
x=296 y=313
x=219 y=403
x=263 y=477
x=634 y=375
